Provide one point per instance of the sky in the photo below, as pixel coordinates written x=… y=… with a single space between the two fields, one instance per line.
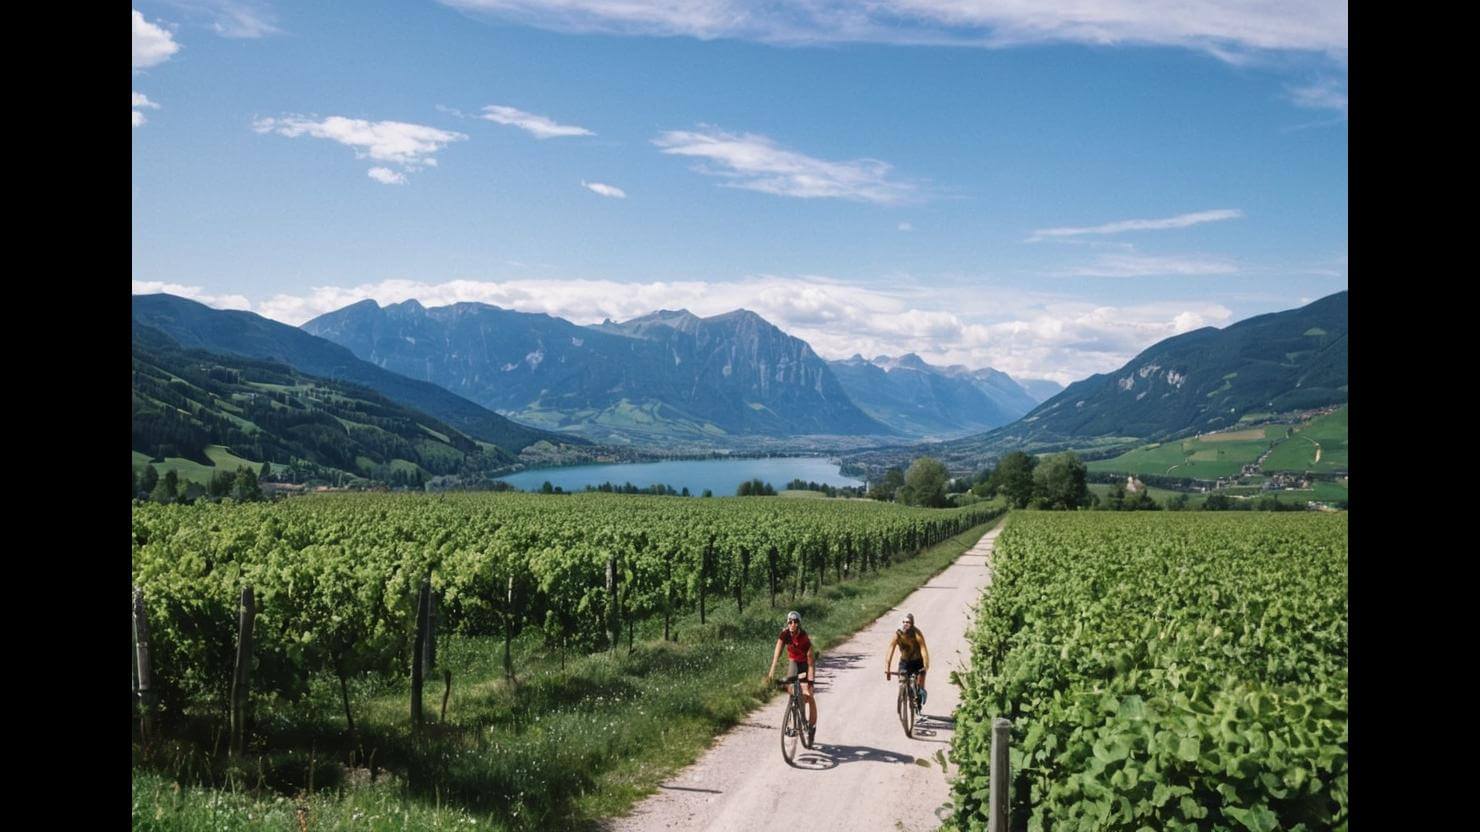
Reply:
x=1046 y=188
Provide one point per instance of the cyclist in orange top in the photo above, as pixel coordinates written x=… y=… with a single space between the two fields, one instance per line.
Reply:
x=801 y=660
x=913 y=654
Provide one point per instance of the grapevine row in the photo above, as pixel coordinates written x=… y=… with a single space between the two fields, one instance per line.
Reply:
x=336 y=577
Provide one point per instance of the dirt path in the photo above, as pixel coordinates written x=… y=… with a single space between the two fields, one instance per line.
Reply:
x=863 y=773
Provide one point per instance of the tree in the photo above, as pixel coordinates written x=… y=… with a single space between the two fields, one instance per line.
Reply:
x=1013 y=478
x=166 y=490
x=547 y=488
x=221 y=484
x=887 y=488
x=1218 y=502
x=1059 y=482
x=246 y=488
x=925 y=483
x=148 y=480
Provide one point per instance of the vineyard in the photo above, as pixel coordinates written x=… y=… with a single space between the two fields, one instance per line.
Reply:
x=336 y=580
x=1177 y=672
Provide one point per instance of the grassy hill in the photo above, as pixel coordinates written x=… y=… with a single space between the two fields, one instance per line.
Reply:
x=1289 y=449
x=1324 y=437
x=197 y=413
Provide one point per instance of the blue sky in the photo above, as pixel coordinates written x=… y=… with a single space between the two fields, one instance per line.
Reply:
x=1045 y=188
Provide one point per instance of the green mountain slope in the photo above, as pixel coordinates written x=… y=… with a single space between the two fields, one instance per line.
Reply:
x=1198 y=382
x=209 y=408
x=195 y=325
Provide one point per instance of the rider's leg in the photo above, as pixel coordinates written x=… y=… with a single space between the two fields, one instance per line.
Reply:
x=811 y=704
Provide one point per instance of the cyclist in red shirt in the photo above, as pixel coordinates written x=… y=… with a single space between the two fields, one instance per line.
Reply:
x=801 y=660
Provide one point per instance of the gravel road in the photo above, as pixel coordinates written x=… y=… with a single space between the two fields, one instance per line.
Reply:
x=863 y=773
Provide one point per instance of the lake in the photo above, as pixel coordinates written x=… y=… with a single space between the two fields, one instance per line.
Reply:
x=722 y=476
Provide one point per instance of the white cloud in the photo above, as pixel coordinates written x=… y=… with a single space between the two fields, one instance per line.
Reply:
x=1325 y=94
x=410 y=145
x=904 y=226
x=1138 y=265
x=243 y=20
x=231 y=18
x=1028 y=335
x=540 y=126
x=153 y=45
x=386 y=176
x=142 y=101
x=1179 y=221
x=1228 y=29
x=195 y=293
x=605 y=190
x=757 y=163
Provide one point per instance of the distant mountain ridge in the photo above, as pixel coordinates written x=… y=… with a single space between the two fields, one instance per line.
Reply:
x=918 y=398
x=196 y=325
x=1041 y=389
x=669 y=373
x=1197 y=382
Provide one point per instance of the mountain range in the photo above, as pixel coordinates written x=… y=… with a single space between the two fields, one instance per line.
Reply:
x=666 y=374
x=671 y=377
x=1197 y=382
x=919 y=399
x=195 y=325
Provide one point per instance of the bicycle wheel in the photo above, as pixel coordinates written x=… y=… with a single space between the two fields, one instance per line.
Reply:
x=791 y=732
x=903 y=706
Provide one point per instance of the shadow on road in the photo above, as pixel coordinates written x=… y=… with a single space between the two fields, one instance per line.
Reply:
x=690 y=789
x=841 y=661
x=823 y=756
x=927 y=726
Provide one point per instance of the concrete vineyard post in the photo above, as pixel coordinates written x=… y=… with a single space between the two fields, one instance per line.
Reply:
x=998 y=811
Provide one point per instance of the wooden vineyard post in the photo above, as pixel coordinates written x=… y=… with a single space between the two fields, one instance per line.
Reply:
x=141 y=666
x=418 y=652
x=667 y=593
x=613 y=632
x=241 y=680
x=771 y=566
x=703 y=580
x=998 y=809
x=509 y=634
x=430 y=654
x=744 y=576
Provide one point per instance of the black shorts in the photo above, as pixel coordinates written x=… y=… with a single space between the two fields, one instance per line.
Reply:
x=795 y=668
x=915 y=665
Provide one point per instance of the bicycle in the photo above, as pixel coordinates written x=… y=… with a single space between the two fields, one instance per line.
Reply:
x=794 y=722
x=908 y=704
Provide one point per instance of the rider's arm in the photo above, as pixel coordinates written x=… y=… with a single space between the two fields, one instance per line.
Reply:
x=774 y=656
x=924 y=651
x=812 y=664
x=889 y=662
